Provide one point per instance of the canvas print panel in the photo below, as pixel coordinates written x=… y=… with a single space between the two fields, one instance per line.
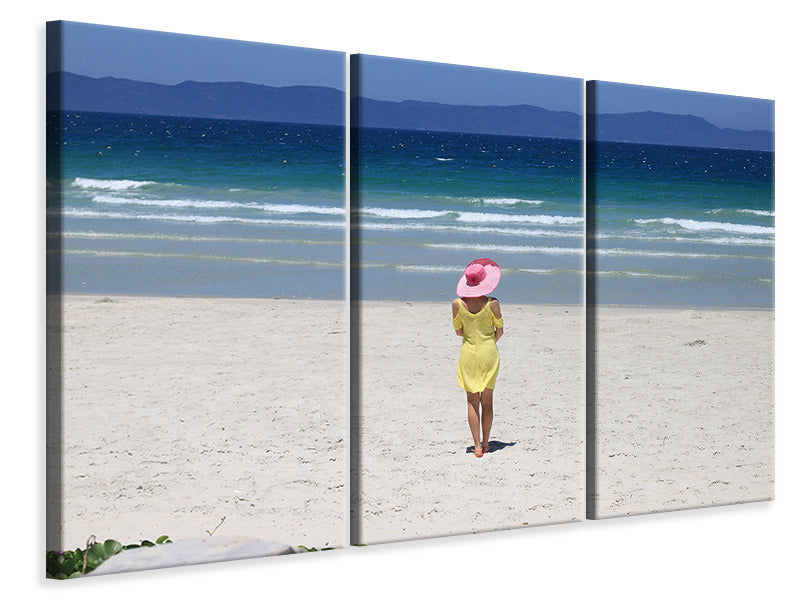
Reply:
x=196 y=282
x=453 y=164
x=681 y=237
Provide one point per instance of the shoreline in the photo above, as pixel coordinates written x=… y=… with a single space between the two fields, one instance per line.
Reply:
x=672 y=307
x=112 y=295
x=587 y=308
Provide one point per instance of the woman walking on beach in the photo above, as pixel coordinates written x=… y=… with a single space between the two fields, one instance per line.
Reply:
x=477 y=318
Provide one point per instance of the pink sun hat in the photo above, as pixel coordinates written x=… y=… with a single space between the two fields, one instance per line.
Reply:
x=480 y=277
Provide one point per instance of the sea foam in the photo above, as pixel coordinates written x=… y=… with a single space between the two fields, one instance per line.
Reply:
x=186 y=203
x=167 y=203
x=508 y=249
x=386 y=226
x=109 y=184
x=187 y=238
x=733 y=241
x=81 y=213
x=640 y=274
x=669 y=254
x=300 y=209
x=502 y=218
x=693 y=225
x=430 y=268
x=747 y=211
x=509 y=201
x=402 y=213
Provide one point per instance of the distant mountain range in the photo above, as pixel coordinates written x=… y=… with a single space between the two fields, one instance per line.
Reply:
x=678 y=130
x=325 y=106
x=246 y=101
x=522 y=120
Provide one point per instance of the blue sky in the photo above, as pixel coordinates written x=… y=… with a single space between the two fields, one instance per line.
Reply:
x=158 y=57
x=398 y=79
x=169 y=58
x=723 y=111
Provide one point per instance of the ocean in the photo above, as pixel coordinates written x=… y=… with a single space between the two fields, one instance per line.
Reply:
x=177 y=206
x=430 y=202
x=679 y=226
x=172 y=206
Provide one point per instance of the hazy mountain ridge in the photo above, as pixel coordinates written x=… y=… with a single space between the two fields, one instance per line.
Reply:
x=217 y=100
x=650 y=127
x=326 y=106
x=520 y=120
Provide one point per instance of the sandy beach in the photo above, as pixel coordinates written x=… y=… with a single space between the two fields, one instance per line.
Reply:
x=417 y=477
x=685 y=408
x=178 y=412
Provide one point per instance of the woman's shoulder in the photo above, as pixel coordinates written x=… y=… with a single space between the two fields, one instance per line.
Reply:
x=494 y=306
x=456 y=306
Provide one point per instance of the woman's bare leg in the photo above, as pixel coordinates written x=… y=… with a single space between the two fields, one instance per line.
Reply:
x=487 y=415
x=474 y=420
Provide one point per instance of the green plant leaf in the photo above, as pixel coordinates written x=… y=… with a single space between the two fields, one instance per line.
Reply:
x=95 y=557
x=112 y=547
x=70 y=565
x=53 y=562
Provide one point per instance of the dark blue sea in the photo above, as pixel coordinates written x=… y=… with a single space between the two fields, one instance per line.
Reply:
x=184 y=206
x=678 y=226
x=430 y=202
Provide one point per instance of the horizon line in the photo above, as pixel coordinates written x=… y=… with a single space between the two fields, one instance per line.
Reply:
x=772 y=131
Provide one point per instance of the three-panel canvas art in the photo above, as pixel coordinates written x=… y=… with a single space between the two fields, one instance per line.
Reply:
x=541 y=299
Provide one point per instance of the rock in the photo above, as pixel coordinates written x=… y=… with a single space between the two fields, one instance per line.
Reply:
x=190 y=552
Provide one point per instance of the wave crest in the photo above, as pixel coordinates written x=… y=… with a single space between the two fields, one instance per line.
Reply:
x=537 y=219
x=402 y=213
x=693 y=225
x=109 y=184
x=185 y=203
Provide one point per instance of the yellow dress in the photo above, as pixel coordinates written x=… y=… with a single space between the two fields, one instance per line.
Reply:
x=479 y=362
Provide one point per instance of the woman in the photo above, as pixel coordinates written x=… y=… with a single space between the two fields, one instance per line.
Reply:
x=477 y=318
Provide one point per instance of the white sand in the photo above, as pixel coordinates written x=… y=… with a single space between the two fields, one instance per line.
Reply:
x=417 y=478
x=685 y=409
x=181 y=411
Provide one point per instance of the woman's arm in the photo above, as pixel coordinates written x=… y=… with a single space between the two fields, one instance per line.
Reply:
x=494 y=306
x=456 y=305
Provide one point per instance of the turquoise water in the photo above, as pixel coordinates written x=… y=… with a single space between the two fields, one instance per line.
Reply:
x=180 y=206
x=430 y=202
x=680 y=226
x=184 y=206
